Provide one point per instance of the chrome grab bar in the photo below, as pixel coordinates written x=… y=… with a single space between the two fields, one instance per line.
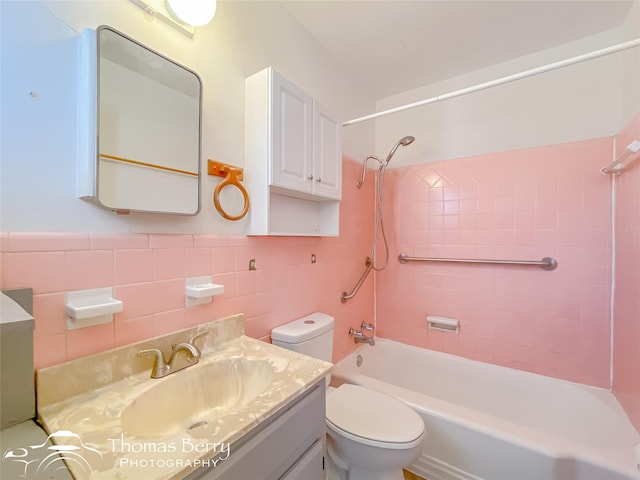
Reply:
x=547 y=263
x=348 y=296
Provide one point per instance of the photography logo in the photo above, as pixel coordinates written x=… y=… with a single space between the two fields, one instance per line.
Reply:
x=41 y=461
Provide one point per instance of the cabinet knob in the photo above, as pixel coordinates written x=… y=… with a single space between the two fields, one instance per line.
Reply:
x=310 y=177
x=318 y=180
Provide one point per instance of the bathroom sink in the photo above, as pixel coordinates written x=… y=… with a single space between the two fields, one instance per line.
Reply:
x=195 y=396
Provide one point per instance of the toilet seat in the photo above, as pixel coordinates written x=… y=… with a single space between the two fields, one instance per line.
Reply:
x=364 y=416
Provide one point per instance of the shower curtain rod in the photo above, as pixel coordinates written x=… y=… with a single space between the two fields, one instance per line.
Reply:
x=500 y=81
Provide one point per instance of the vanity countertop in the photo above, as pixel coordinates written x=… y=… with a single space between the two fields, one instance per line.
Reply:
x=87 y=401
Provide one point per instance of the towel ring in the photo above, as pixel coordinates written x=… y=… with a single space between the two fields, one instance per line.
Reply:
x=231 y=176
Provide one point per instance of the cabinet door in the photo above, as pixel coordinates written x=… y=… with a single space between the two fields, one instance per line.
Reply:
x=292 y=117
x=310 y=466
x=327 y=154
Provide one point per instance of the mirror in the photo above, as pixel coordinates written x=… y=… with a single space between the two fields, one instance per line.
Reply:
x=149 y=127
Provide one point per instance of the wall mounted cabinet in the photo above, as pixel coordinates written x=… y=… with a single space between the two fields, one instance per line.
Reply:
x=139 y=127
x=293 y=151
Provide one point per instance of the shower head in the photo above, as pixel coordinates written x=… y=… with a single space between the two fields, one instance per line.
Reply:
x=404 y=141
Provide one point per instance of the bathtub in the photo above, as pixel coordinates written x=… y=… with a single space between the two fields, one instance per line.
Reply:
x=489 y=422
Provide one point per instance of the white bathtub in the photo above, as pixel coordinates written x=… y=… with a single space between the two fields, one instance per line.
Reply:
x=494 y=423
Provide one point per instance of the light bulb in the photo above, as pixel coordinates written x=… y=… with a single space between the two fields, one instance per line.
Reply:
x=193 y=12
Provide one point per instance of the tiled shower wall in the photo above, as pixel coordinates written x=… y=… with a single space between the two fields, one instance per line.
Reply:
x=148 y=274
x=549 y=201
x=626 y=341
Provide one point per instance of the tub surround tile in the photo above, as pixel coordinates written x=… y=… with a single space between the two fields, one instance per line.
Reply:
x=547 y=201
x=626 y=354
x=88 y=396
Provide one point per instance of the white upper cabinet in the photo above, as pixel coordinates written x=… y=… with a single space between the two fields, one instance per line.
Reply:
x=307 y=150
x=293 y=150
x=292 y=136
x=327 y=154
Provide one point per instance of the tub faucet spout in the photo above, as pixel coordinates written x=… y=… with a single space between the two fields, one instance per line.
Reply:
x=360 y=337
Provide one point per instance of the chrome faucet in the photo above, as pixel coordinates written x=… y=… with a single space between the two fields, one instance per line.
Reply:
x=162 y=368
x=360 y=337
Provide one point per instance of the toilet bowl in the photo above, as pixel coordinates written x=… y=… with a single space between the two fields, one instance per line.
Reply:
x=370 y=435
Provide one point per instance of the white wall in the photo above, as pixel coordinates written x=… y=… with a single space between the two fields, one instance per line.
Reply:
x=38 y=41
x=574 y=103
x=630 y=77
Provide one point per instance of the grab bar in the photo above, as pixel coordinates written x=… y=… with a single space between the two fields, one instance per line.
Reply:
x=547 y=263
x=348 y=296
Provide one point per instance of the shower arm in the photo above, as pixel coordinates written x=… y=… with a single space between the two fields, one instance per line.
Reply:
x=348 y=296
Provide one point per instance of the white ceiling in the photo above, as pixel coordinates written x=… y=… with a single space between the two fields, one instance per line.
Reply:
x=397 y=45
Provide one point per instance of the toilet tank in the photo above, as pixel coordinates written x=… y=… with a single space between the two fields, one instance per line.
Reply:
x=311 y=335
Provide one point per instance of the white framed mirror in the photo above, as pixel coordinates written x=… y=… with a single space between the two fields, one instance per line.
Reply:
x=145 y=148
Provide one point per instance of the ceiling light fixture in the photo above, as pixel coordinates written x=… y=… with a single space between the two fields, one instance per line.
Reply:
x=193 y=12
x=183 y=15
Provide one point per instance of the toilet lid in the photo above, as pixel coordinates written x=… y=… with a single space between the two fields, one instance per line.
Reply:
x=367 y=414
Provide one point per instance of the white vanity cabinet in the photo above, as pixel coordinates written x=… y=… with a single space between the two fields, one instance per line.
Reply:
x=290 y=445
x=293 y=150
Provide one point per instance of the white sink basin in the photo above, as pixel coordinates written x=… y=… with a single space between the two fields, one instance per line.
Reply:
x=195 y=396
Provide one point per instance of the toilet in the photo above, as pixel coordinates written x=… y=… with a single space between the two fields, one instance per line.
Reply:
x=370 y=435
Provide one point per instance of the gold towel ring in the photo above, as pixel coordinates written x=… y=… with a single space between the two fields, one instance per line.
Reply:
x=231 y=176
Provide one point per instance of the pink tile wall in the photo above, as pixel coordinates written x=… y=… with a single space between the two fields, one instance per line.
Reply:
x=626 y=341
x=525 y=204
x=148 y=274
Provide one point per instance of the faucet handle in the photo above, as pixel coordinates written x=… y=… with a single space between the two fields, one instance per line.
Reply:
x=159 y=365
x=367 y=326
x=197 y=336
